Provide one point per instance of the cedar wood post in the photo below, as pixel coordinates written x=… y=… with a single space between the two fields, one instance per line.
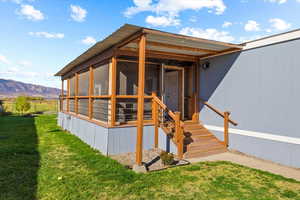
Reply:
x=62 y=96
x=155 y=119
x=196 y=92
x=68 y=95
x=113 y=83
x=76 y=92
x=91 y=91
x=141 y=87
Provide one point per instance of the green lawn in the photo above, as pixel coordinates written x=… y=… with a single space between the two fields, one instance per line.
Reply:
x=39 y=161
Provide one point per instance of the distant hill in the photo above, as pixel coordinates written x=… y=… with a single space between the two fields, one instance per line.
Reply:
x=11 y=88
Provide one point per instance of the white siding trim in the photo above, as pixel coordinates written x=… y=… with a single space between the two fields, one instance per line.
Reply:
x=272 y=39
x=267 y=136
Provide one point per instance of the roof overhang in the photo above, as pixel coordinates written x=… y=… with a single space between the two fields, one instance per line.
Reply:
x=158 y=42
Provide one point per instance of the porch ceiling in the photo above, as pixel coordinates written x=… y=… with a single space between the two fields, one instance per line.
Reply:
x=157 y=41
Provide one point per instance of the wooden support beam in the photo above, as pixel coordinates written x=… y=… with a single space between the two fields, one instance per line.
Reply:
x=141 y=90
x=91 y=91
x=68 y=95
x=76 y=92
x=177 y=47
x=158 y=54
x=155 y=119
x=113 y=89
x=220 y=53
x=62 y=96
x=196 y=92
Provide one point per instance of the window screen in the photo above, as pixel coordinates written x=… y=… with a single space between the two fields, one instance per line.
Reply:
x=127 y=78
x=83 y=106
x=72 y=86
x=72 y=105
x=101 y=80
x=100 y=109
x=83 y=84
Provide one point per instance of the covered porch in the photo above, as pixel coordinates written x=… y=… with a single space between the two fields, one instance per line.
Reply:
x=138 y=77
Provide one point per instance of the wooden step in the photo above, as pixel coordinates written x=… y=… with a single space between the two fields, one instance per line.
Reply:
x=205 y=146
x=191 y=127
x=203 y=153
x=200 y=142
x=191 y=122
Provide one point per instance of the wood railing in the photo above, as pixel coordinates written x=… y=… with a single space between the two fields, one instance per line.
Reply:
x=159 y=106
x=226 y=118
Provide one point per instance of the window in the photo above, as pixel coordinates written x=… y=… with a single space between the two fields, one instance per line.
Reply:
x=72 y=105
x=100 y=109
x=127 y=78
x=83 y=84
x=101 y=80
x=72 y=86
x=83 y=106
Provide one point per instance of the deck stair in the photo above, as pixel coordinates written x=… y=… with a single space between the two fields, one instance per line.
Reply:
x=200 y=142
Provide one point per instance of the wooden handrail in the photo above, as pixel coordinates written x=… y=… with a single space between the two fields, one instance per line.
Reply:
x=178 y=124
x=218 y=112
x=164 y=107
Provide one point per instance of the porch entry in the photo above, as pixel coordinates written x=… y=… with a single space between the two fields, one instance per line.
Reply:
x=173 y=88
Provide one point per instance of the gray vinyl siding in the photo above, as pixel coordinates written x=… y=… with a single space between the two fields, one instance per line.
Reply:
x=261 y=88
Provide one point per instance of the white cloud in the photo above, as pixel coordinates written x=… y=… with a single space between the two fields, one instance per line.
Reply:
x=279 y=24
x=277 y=1
x=210 y=33
x=31 y=13
x=78 y=14
x=168 y=10
x=25 y=63
x=252 y=25
x=89 y=40
x=47 y=35
x=4 y=60
x=162 y=21
x=226 y=24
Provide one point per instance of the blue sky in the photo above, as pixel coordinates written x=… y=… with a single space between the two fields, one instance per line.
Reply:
x=38 y=37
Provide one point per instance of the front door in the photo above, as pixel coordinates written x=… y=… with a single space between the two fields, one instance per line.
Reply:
x=173 y=88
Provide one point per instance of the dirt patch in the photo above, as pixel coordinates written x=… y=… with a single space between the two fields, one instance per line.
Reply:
x=151 y=160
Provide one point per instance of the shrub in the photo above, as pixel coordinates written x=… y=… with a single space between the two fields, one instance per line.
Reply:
x=22 y=104
x=167 y=158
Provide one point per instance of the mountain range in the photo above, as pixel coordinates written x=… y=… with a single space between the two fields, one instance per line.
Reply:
x=11 y=88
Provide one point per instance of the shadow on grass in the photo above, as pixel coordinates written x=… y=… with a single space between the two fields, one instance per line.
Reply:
x=19 y=158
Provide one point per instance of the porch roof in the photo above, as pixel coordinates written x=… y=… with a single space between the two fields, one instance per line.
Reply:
x=158 y=42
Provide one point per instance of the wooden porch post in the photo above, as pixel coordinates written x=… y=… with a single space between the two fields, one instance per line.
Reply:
x=68 y=95
x=91 y=91
x=113 y=82
x=141 y=88
x=155 y=119
x=196 y=93
x=62 y=96
x=76 y=92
